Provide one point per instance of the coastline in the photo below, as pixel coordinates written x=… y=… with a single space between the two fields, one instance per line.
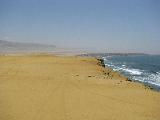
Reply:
x=151 y=86
x=61 y=87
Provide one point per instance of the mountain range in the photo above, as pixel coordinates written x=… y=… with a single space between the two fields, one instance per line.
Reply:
x=19 y=47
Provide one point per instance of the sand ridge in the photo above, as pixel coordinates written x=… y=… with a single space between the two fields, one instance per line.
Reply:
x=45 y=87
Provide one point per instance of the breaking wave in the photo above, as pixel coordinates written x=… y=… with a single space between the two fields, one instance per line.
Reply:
x=146 y=73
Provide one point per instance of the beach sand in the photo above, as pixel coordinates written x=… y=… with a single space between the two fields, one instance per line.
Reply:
x=44 y=87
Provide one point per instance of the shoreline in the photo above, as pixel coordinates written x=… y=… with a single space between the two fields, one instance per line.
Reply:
x=101 y=63
x=151 y=86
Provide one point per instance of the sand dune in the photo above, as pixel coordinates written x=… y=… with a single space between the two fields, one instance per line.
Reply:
x=43 y=87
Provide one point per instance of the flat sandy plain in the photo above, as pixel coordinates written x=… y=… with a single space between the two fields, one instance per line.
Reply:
x=45 y=87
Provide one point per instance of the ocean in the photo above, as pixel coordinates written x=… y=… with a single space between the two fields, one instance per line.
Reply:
x=142 y=68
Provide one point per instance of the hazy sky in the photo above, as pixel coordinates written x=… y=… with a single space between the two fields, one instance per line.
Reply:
x=106 y=25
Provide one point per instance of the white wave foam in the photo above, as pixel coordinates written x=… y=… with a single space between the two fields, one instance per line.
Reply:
x=155 y=77
x=136 y=74
x=140 y=79
x=133 y=71
x=130 y=71
x=123 y=65
x=104 y=58
x=117 y=68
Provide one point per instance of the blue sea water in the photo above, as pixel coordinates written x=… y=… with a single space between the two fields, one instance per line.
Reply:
x=143 y=68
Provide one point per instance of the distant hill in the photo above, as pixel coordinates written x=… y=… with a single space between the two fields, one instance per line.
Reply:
x=19 y=47
x=111 y=54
